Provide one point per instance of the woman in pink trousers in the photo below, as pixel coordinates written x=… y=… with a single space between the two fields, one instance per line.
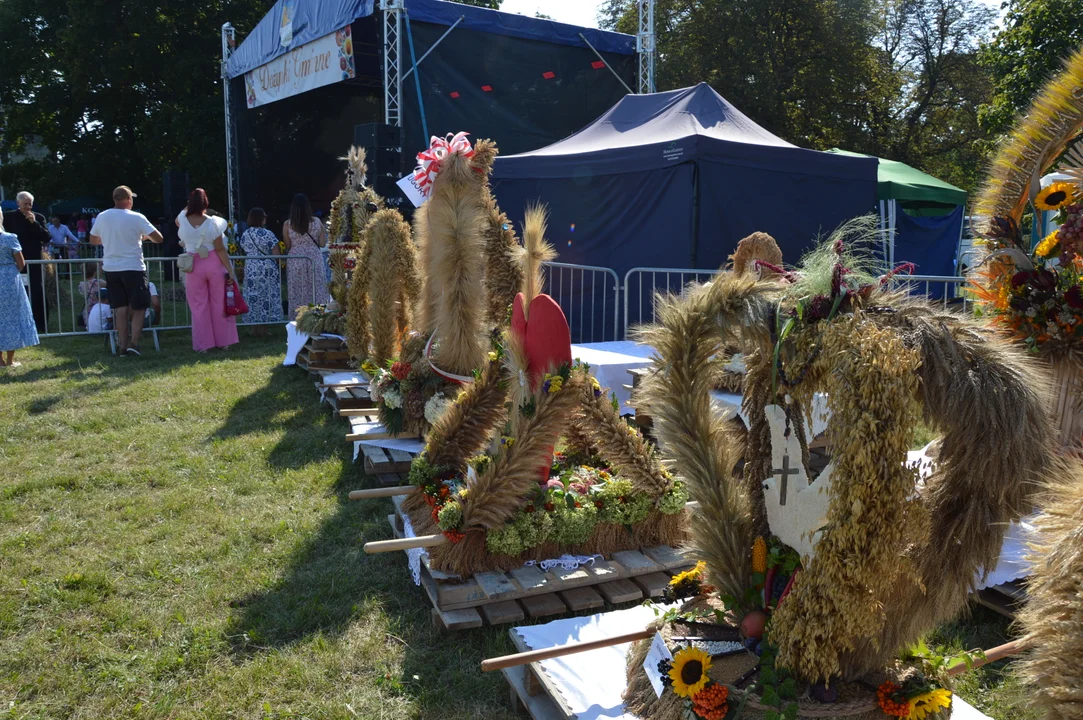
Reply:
x=205 y=286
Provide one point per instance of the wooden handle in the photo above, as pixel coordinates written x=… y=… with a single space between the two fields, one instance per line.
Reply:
x=382 y=492
x=421 y=541
x=992 y=655
x=530 y=656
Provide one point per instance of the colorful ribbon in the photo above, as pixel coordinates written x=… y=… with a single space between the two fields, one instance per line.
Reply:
x=428 y=161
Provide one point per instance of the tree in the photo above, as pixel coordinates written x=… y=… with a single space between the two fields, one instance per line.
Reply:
x=1035 y=36
x=894 y=78
x=117 y=91
x=791 y=65
x=925 y=112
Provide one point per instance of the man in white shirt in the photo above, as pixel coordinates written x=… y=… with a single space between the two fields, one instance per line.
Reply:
x=59 y=235
x=120 y=232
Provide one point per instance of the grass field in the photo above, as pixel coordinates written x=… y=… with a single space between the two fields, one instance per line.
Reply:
x=175 y=542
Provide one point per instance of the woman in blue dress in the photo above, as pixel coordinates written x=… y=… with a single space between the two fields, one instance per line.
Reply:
x=262 y=282
x=16 y=320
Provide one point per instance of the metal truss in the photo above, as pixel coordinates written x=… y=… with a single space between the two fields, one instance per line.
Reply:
x=645 y=45
x=392 y=10
x=232 y=186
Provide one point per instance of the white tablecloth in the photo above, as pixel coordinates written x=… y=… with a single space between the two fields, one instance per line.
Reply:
x=295 y=340
x=591 y=683
x=610 y=362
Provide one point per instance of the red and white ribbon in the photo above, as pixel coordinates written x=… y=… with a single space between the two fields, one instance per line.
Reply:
x=460 y=379
x=428 y=161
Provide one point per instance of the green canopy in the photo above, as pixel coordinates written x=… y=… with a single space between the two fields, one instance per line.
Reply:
x=910 y=186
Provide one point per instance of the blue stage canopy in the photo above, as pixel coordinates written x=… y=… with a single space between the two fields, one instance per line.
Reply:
x=313 y=19
x=676 y=179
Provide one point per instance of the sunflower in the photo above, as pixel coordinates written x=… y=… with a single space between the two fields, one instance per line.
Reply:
x=1047 y=245
x=689 y=671
x=929 y=704
x=1055 y=196
x=692 y=574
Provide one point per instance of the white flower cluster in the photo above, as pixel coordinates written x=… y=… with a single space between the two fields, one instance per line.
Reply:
x=435 y=407
x=392 y=398
x=374 y=384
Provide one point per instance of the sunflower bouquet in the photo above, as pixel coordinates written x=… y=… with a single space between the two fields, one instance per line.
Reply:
x=1034 y=290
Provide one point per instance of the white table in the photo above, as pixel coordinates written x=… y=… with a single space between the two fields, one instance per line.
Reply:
x=610 y=362
x=591 y=683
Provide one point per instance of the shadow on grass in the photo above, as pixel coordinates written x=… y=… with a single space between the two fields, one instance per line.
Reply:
x=89 y=355
x=287 y=403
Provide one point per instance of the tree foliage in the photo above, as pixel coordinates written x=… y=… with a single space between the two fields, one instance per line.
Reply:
x=896 y=78
x=1036 y=35
x=117 y=91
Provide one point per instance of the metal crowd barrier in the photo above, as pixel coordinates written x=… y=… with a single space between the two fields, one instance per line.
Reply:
x=642 y=284
x=949 y=291
x=589 y=296
x=64 y=302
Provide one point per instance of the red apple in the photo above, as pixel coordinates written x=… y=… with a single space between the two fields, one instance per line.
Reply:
x=753 y=624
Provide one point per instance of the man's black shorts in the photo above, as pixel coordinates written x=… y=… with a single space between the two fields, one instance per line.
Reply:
x=128 y=288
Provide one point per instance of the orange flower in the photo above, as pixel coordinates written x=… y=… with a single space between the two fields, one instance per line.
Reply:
x=710 y=702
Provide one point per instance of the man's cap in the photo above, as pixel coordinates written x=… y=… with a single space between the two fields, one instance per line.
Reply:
x=123 y=192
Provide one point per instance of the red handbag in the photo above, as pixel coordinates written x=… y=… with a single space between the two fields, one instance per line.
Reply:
x=235 y=304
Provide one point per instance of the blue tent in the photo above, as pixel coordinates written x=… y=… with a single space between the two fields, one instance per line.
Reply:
x=676 y=179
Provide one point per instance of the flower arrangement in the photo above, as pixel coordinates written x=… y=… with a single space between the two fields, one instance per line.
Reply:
x=580 y=495
x=1034 y=290
x=410 y=397
x=315 y=320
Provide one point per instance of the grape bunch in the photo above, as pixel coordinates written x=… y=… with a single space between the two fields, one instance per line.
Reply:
x=1070 y=233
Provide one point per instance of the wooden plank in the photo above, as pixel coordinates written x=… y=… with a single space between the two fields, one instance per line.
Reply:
x=636 y=563
x=446 y=596
x=667 y=557
x=367 y=428
x=495 y=584
x=537 y=606
x=530 y=578
x=557 y=706
x=539 y=706
x=456 y=619
x=501 y=613
x=379 y=461
x=571 y=578
x=620 y=591
x=530 y=679
x=581 y=598
x=603 y=570
x=652 y=584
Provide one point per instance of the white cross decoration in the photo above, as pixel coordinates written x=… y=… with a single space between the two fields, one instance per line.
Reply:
x=796 y=509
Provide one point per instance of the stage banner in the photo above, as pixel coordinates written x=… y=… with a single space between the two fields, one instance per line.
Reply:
x=315 y=64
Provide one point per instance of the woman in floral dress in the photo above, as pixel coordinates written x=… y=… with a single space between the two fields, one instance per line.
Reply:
x=262 y=283
x=303 y=235
x=16 y=320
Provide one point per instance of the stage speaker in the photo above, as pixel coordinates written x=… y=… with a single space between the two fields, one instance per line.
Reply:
x=377 y=135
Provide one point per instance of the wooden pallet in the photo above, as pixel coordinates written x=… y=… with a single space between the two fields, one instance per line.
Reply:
x=497 y=598
x=324 y=354
x=350 y=397
x=1005 y=599
x=367 y=426
x=382 y=461
x=532 y=692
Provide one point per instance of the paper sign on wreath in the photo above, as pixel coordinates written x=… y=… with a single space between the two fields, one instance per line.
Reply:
x=417 y=186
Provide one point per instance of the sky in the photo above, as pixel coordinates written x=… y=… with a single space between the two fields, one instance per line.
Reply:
x=574 y=12
x=583 y=12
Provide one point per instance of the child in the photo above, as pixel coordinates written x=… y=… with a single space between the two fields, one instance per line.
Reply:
x=89 y=289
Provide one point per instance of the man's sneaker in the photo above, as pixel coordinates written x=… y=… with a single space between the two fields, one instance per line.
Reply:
x=133 y=350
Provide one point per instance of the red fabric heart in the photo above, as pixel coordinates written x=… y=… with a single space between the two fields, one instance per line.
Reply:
x=547 y=342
